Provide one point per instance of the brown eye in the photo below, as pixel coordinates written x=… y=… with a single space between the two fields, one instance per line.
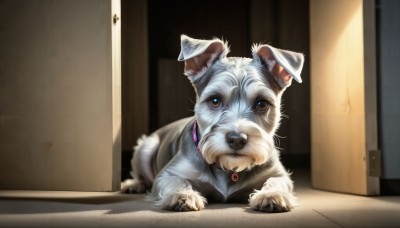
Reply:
x=261 y=105
x=215 y=102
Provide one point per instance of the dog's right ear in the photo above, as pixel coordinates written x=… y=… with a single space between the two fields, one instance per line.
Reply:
x=199 y=55
x=282 y=64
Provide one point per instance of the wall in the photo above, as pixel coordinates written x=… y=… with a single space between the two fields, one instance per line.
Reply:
x=389 y=52
x=135 y=105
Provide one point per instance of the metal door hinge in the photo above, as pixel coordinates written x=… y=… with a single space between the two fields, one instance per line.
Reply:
x=374 y=159
x=115 y=18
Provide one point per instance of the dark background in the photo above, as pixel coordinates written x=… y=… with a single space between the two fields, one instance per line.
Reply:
x=283 y=24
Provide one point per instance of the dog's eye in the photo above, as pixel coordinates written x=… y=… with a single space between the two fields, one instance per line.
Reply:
x=261 y=105
x=215 y=102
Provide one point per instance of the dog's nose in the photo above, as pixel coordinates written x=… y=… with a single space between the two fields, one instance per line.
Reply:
x=235 y=140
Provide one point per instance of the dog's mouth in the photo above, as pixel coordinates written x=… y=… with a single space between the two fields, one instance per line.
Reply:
x=235 y=162
x=237 y=155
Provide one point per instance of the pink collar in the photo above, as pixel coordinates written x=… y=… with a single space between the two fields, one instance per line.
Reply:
x=194 y=135
x=234 y=175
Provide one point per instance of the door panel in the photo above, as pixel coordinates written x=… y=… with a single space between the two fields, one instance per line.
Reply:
x=343 y=95
x=59 y=95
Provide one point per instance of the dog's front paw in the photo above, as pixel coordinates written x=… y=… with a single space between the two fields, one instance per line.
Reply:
x=184 y=200
x=272 y=201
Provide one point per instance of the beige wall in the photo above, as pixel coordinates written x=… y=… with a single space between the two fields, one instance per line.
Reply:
x=59 y=102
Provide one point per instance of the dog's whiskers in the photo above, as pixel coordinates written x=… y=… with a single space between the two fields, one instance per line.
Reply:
x=278 y=141
x=285 y=116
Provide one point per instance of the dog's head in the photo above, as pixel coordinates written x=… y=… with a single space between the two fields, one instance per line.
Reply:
x=238 y=99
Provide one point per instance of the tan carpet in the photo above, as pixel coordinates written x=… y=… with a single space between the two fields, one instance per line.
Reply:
x=77 y=209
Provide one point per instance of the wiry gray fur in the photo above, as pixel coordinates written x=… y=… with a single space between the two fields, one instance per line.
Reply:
x=180 y=176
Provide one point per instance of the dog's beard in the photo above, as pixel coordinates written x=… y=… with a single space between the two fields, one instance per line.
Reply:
x=257 y=150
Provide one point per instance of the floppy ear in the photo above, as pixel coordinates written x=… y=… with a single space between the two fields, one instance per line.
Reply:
x=283 y=65
x=199 y=55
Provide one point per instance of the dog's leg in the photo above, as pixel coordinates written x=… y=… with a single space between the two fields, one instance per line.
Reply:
x=142 y=172
x=176 y=194
x=275 y=196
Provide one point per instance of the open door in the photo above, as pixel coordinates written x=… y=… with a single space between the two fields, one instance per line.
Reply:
x=343 y=96
x=60 y=95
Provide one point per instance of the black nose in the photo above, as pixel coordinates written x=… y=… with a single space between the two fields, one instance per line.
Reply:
x=235 y=140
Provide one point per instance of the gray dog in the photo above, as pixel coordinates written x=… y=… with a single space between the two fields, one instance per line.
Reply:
x=226 y=152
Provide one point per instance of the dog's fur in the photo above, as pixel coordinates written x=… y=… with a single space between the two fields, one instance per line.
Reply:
x=237 y=113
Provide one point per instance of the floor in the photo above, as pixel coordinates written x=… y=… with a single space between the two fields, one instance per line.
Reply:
x=74 y=209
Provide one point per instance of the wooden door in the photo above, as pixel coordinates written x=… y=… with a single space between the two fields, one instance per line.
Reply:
x=343 y=96
x=60 y=118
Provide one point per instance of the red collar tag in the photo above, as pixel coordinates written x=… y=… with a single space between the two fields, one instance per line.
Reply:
x=234 y=177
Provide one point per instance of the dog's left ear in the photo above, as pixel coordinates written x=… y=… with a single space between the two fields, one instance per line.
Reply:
x=282 y=64
x=199 y=55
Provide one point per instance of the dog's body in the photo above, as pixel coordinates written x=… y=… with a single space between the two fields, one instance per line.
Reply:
x=226 y=152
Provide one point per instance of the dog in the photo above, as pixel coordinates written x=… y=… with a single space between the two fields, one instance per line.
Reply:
x=226 y=152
